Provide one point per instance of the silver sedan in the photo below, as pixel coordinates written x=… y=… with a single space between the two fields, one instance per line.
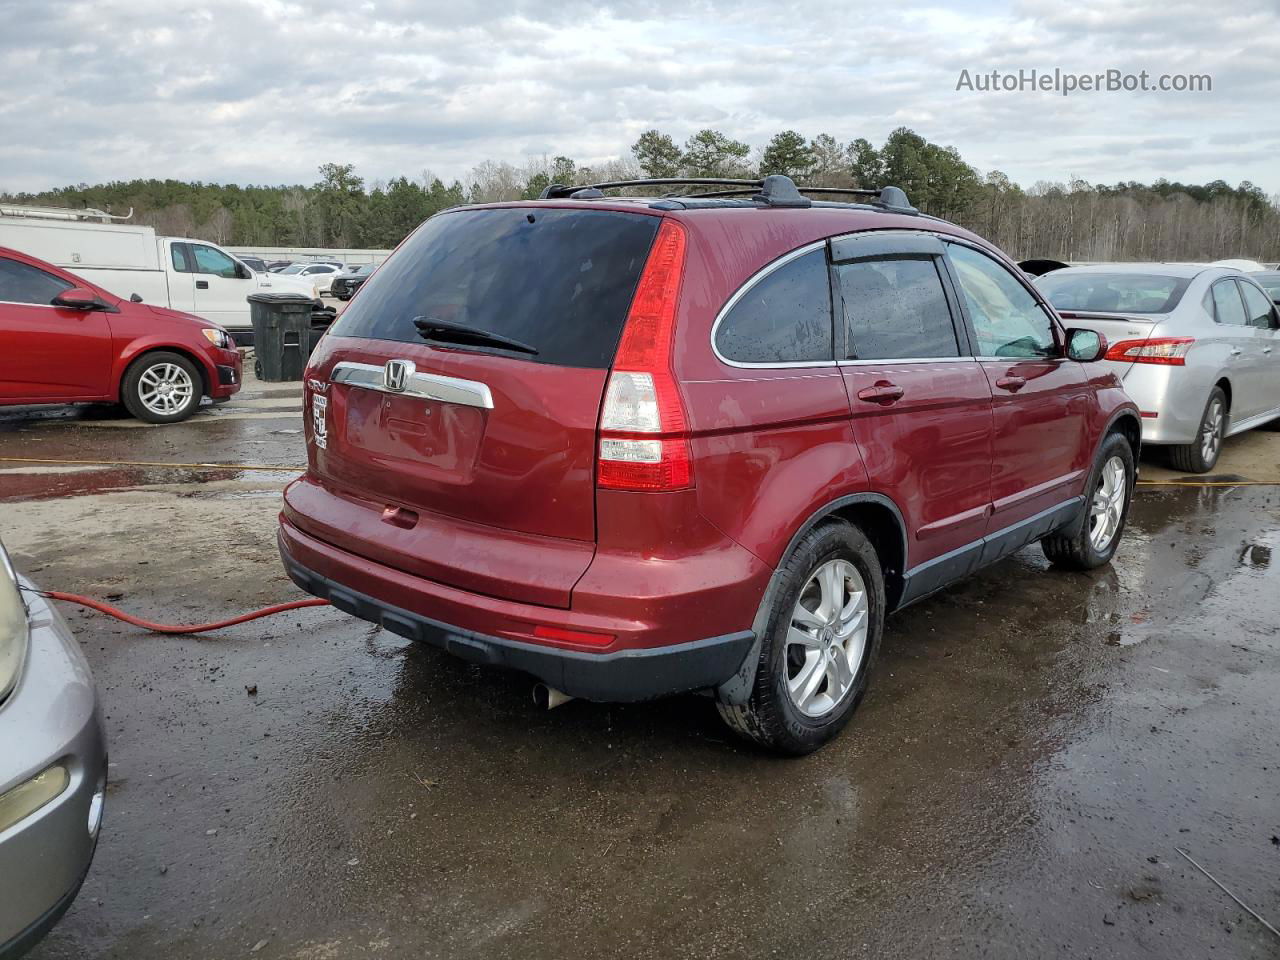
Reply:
x=1196 y=347
x=53 y=765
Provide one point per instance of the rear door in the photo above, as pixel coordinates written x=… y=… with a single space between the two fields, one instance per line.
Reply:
x=221 y=293
x=461 y=421
x=1264 y=373
x=1244 y=351
x=48 y=353
x=921 y=408
x=1040 y=400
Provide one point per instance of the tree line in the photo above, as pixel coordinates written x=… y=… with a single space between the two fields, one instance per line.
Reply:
x=1074 y=220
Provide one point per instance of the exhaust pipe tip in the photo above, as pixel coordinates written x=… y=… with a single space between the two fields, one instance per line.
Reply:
x=549 y=697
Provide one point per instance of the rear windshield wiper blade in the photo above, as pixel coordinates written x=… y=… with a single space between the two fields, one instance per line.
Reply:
x=430 y=328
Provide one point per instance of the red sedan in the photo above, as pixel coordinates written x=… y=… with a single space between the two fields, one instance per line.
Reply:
x=64 y=340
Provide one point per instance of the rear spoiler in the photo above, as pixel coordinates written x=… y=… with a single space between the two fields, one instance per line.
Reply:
x=1147 y=318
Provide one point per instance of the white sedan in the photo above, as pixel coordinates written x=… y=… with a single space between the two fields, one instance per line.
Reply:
x=320 y=274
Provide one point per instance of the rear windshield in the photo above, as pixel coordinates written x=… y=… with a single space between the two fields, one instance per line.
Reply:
x=558 y=280
x=1123 y=292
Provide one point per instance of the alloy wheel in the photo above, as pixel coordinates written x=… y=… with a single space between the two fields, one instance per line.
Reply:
x=1107 y=507
x=827 y=638
x=1211 y=431
x=165 y=389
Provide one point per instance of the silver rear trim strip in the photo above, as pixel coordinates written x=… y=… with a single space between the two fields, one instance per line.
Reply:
x=427 y=386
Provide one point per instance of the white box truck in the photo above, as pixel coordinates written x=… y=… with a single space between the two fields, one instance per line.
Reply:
x=127 y=259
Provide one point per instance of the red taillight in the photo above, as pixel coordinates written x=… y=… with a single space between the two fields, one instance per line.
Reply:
x=1169 y=351
x=643 y=442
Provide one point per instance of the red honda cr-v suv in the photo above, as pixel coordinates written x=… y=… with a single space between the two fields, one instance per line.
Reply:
x=65 y=340
x=638 y=446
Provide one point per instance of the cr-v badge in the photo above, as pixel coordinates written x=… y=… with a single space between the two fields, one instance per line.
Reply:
x=319 y=421
x=396 y=374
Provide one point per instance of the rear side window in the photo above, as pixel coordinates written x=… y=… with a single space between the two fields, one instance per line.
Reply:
x=1228 y=308
x=784 y=317
x=558 y=280
x=896 y=310
x=1258 y=306
x=22 y=283
x=178 y=252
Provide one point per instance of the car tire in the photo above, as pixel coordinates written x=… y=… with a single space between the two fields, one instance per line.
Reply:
x=1084 y=545
x=1201 y=455
x=162 y=387
x=804 y=693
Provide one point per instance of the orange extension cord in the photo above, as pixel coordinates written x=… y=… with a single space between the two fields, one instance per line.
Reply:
x=178 y=628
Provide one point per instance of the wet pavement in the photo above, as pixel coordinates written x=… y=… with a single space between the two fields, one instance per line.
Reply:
x=1034 y=749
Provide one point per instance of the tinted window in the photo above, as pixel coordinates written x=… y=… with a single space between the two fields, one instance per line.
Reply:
x=1257 y=305
x=784 y=317
x=21 y=283
x=1006 y=318
x=1126 y=292
x=558 y=280
x=895 y=309
x=1227 y=306
x=215 y=262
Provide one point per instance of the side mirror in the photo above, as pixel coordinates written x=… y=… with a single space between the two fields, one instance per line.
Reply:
x=78 y=298
x=135 y=298
x=1085 y=346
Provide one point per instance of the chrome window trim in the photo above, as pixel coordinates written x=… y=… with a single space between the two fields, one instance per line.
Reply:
x=742 y=291
x=425 y=386
x=887 y=360
x=786 y=258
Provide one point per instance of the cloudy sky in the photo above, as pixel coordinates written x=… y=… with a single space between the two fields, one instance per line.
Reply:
x=261 y=91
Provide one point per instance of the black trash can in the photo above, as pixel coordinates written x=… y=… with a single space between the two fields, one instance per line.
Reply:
x=321 y=319
x=281 y=335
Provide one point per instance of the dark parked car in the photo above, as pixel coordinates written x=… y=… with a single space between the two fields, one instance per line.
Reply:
x=256 y=264
x=275 y=266
x=640 y=446
x=1269 y=280
x=346 y=283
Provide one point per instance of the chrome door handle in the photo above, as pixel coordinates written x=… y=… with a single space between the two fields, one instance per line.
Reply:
x=1235 y=351
x=1266 y=349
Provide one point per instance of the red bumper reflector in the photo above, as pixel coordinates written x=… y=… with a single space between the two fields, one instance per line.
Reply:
x=1150 y=414
x=583 y=637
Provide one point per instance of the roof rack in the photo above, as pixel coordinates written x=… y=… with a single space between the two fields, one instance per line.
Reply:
x=776 y=190
x=60 y=213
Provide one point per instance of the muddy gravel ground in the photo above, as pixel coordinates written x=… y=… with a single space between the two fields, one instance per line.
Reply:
x=1035 y=748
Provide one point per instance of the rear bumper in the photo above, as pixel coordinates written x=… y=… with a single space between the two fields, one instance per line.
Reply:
x=1176 y=395
x=614 y=675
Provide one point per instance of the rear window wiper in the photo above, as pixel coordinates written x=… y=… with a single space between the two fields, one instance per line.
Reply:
x=430 y=328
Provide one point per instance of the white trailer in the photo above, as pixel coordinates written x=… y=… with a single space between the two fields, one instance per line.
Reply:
x=129 y=260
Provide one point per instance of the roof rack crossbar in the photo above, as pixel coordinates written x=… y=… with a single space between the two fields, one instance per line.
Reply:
x=556 y=191
x=776 y=190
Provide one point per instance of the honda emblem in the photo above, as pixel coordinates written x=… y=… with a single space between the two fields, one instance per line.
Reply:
x=396 y=374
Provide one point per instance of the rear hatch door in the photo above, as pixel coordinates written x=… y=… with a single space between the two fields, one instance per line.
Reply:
x=463 y=393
